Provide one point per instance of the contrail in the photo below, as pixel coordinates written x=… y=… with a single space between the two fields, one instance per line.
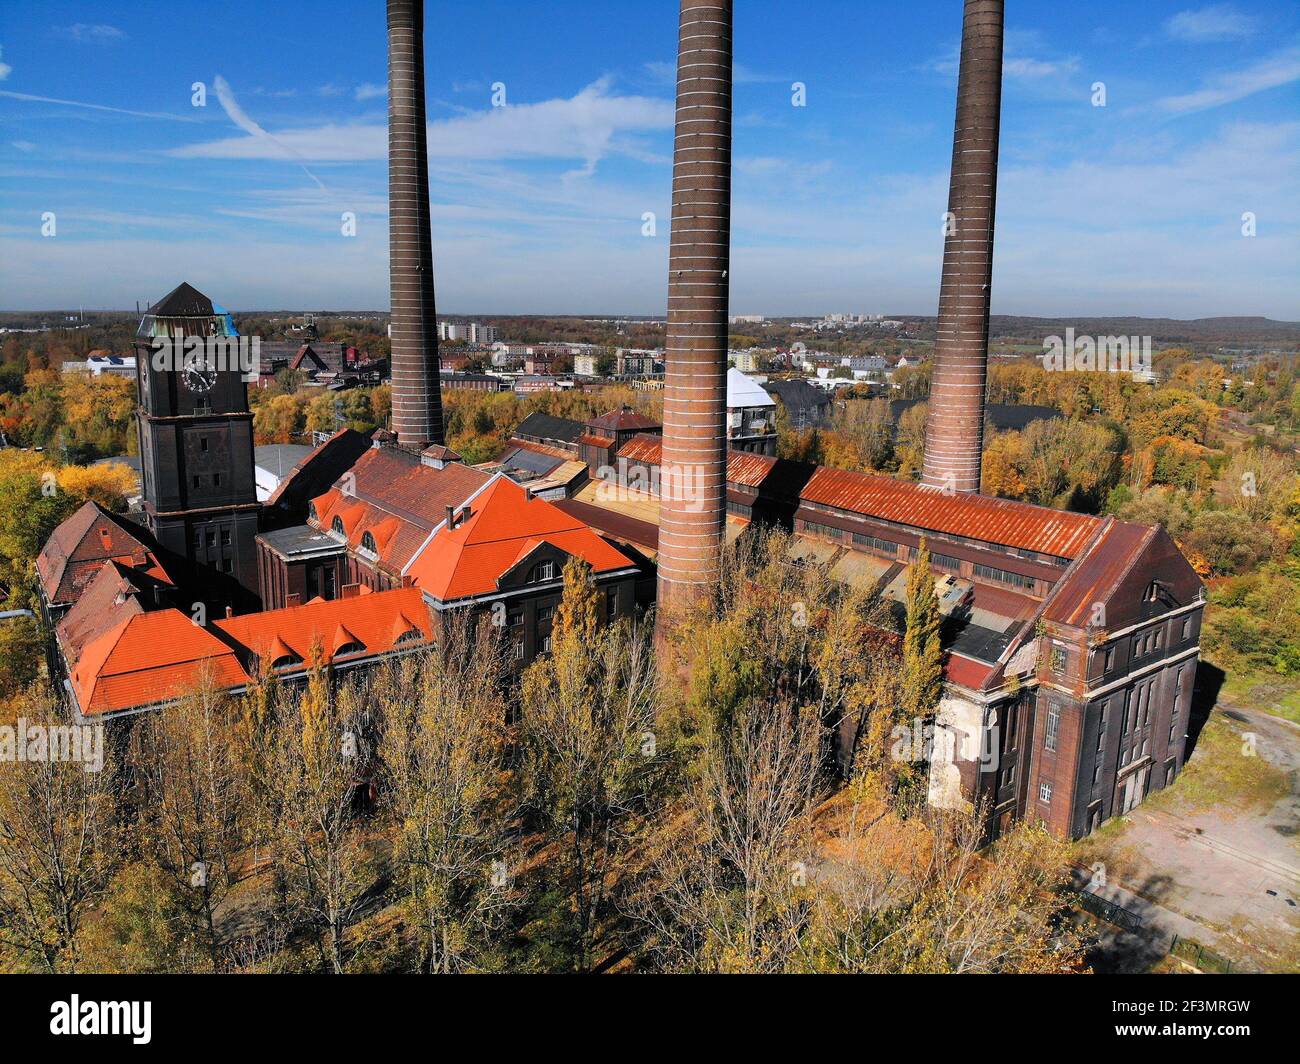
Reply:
x=95 y=106
x=240 y=117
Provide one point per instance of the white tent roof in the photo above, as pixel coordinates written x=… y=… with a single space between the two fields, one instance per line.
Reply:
x=743 y=392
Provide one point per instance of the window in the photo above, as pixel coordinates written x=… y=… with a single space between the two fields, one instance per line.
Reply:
x=368 y=543
x=1187 y=628
x=411 y=635
x=545 y=613
x=1058 y=659
x=350 y=648
x=611 y=603
x=286 y=661
x=336 y=526
x=1101 y=729
x=543 y=571
x=876 y=543
x=515 y=618
x=989 y=572
x=1009 y=775
x=1096 y=772
x=1053 y=725
x=216 y=480
x=203 y=443
x=546 y=644
x=212 y=539
x=197 y=478
x=1108 y=659
x=944 y=561
x=1045 y=793
x=225 y=537
x=519 y=650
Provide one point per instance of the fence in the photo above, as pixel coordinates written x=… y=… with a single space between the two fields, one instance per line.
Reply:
x=1195 y=954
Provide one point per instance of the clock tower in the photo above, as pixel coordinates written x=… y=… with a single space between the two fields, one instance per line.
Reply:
x=196 y=444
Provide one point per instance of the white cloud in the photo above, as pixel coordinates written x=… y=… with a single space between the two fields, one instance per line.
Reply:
x=584 y=127
x=5 y=68
x=1213 y=23
x=88 y=32
x=237 y=115
x=369 y=91
x=1282 y=68
x=23 y=145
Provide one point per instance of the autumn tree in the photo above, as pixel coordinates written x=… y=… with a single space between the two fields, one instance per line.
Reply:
x=192 y=822
x=587 y=745
x=59 y=842
x=443 y=751
x=321 y=760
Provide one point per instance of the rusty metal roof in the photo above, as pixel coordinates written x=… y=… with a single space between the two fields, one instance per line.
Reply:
x=1059 y=533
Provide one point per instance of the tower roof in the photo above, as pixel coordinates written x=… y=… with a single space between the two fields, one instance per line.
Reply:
x=183 y=301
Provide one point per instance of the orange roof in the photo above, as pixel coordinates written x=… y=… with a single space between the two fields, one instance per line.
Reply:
x=505 y=525
x=149 y=658
x=374 y=621
x=1060 y=533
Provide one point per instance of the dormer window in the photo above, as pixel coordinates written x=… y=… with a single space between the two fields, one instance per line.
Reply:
x=368 y=544
x=350 y=648
x=411 y=635
x=286 y=661
x=311 y=511
x=336 y=526
x=542 y=572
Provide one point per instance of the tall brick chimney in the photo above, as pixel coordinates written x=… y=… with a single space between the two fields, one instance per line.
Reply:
x=693 y=474
x=954 y=437
x=417 y=402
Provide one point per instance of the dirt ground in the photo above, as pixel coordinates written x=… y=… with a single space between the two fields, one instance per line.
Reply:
x=1221 y=848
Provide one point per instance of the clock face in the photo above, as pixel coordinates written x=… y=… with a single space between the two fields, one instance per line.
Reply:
x=199 y=377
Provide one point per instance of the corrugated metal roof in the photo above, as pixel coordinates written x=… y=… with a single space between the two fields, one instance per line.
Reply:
x=1059 y=533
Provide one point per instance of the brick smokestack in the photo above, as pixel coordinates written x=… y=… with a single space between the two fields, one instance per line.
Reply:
x=693 y=474
x=954 y=437
x=417 y=403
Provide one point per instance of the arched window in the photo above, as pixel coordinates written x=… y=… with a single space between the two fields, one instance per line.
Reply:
x=286 y=661
x=337 y=527
x=350 y=648
x=368 y=543
x=311 y=511
x=411 y=635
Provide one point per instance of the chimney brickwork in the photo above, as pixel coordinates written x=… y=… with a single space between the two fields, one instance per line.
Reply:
x=693 y=474
x=417 y=402
x=954 y=436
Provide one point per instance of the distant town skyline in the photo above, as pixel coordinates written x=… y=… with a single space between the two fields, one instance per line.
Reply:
x=843 y=115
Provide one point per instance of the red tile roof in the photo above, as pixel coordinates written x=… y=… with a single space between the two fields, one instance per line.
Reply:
x=78 y=548
x=375 y=621
x=505 y=526
x=149 y=658
x=396 y=499
x=593 y=440
x=743 y=467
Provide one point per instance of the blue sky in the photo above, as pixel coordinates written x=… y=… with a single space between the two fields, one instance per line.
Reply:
x=1131 y=208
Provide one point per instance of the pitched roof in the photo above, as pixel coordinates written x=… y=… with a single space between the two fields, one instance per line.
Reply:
x=117 y=591
x=183 y=301
x=505 y=525
x=75 y=551
x=1059 y=533
x=395 y=498
x=148 y=658
x=743 y=391
x=623 y=420
x=374 y=621
x=547 y=427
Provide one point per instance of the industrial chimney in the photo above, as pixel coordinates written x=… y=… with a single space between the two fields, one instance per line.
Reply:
x=954 y=437
x=694 y=466
x=417 y=404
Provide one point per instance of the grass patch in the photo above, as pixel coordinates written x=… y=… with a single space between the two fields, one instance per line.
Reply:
x=1267 y=692
x=1221 y=773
